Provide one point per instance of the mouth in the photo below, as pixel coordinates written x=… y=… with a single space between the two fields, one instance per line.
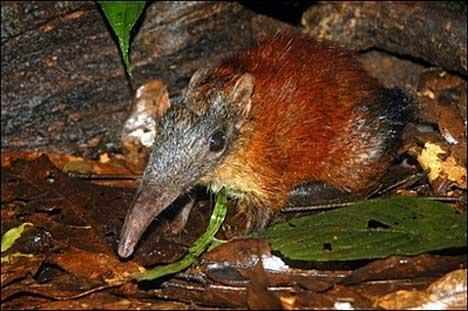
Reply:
x=149 y=202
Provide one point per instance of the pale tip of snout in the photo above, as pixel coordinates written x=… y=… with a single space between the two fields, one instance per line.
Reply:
x=125 y=250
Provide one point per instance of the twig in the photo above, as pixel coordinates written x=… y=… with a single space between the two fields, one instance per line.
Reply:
x=92 y=176
x=410 y=180
x=344 y=204
x=90 y=291
x=315 y=207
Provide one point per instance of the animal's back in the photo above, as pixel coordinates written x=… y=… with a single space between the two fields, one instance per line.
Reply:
x=315 y=115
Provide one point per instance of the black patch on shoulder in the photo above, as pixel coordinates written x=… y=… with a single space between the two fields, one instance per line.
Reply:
x=396 y=106
x=393 y=112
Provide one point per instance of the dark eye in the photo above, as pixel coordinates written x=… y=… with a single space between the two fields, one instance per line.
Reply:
x=217 y=141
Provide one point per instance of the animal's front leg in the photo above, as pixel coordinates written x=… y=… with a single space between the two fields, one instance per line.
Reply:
x=176 y=225
x=247 y=217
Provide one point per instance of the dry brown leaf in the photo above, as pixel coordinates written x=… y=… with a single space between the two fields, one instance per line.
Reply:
x=447 y=293
x=441 y=168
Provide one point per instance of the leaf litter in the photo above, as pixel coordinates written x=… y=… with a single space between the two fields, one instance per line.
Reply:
x=77 y=223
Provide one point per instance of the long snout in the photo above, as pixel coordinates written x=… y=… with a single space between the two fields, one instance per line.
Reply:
x=149 y=202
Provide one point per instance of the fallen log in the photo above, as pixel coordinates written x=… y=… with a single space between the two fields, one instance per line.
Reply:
x=434 y=32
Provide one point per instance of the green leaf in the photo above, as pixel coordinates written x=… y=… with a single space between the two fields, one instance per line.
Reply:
x=200 y=245
x=370 y=229
x=9 y=237
x=122 y=16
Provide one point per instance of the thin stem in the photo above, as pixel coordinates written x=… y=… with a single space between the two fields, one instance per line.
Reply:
x=344 y=204
x=92 y=176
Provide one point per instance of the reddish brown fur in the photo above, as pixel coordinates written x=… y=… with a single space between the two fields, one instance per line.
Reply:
x=292 y=110
x=302 y=123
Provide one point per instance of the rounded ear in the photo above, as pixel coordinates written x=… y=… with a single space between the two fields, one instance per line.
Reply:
x=240 y=96
x=198 y=77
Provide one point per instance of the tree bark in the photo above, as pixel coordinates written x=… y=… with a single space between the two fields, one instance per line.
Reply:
x=63 y=82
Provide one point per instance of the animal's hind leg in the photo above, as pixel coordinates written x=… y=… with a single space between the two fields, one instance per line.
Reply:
x=315 y=193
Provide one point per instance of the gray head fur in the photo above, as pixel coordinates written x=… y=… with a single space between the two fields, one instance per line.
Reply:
x=181 y=154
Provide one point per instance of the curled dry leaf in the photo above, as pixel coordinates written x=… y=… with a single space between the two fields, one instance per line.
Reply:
x=441 y=168
x=441 y=102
